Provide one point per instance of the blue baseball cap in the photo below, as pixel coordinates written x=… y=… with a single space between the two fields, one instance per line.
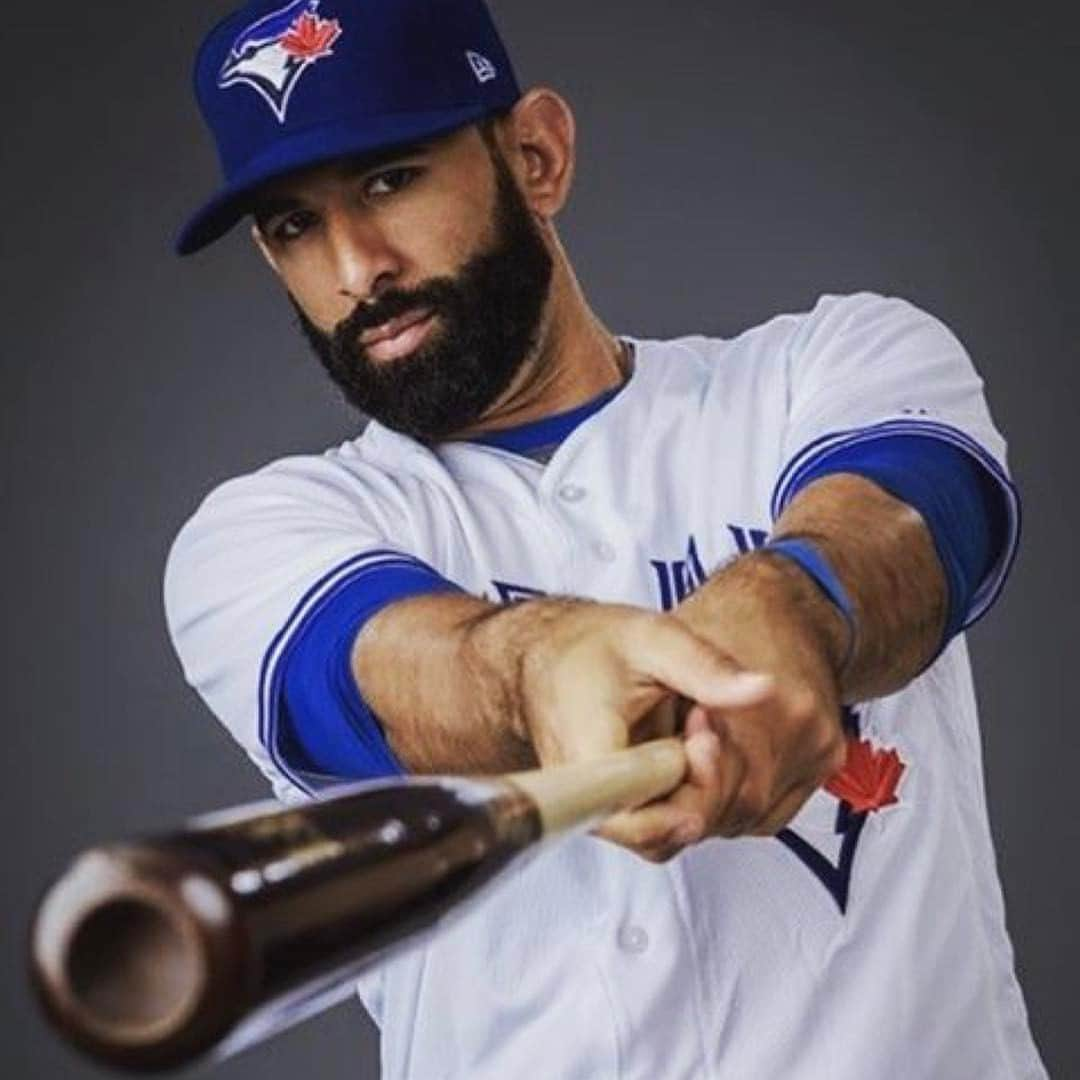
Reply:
x=283 y=87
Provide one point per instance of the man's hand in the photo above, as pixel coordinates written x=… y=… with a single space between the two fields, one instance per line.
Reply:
x=591 y=678
x=494 y=689
x=752 y=767
x=462 y=685
x=750 y=771
x=597 y=677
x=554 y=681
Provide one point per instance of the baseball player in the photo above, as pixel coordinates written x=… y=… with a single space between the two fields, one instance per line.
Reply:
x=552 y=541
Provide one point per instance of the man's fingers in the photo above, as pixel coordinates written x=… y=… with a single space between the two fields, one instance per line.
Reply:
x=662 y=828
x=696 y=721
x=679 y=659
x=658 y=825
x=786 y=749
x=708 y=769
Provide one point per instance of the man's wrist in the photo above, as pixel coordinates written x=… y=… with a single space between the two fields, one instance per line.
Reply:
x=769 y=615
x=498 y=647
x=810 y=557
x=797 y=600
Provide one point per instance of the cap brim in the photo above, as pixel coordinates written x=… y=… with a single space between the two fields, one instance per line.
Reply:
x=315 y=146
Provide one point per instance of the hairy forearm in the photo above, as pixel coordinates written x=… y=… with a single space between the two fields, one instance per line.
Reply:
x=435 y=670
x=768 y=614
x=464 y=685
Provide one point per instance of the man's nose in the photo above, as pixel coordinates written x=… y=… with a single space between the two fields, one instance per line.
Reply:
x=365 y=261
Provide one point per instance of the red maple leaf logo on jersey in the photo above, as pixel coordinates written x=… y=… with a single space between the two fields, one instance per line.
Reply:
x=869 y=777
x=311 y=38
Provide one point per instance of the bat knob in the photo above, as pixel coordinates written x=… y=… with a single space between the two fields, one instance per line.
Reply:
x=133 y=955
x=129 y=966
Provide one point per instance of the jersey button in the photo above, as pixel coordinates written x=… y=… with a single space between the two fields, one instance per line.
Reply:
x=571 y=493
x=633 y=939
x=604 y=552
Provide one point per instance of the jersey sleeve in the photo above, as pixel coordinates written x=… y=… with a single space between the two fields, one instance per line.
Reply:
x=265 y=589
x=864 y=369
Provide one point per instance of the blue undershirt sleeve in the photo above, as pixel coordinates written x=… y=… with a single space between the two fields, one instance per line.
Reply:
x=965 y=506
x=324 y=730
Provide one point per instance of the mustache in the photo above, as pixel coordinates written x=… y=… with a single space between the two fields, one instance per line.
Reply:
x=436 y=295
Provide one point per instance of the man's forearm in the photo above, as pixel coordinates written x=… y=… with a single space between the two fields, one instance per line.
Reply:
x=463 y=685
x=769 y=614
x=433 y=669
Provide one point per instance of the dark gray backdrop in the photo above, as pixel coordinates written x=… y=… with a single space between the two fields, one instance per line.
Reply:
x=737 y=160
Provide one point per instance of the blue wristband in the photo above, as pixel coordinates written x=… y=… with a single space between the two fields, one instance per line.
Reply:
x=811 y=561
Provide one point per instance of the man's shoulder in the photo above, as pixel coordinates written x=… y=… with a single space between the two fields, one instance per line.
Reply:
x=344 y=478
x=775 y=339
x=775 y=328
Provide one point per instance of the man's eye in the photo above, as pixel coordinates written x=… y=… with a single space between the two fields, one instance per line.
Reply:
x=291 y=226
x=386 y=183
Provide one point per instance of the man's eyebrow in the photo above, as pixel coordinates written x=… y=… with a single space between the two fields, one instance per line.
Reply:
x=270 y=205
x=363 y=163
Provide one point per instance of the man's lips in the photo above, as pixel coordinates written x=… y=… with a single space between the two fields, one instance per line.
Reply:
x=398 y=337
x=393 y=328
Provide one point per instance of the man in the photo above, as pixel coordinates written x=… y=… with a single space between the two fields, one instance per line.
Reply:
x=552 y=541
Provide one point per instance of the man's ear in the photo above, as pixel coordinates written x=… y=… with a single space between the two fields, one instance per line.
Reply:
x=539 y=134
x=260 y=243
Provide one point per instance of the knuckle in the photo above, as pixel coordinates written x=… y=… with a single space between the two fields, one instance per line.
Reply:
x=802 y=705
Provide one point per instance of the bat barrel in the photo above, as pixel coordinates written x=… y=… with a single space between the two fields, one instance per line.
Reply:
x=131 y=967
x=150 y=954
x=138 y=958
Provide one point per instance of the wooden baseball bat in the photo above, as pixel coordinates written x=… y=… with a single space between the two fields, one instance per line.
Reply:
x=151 y=953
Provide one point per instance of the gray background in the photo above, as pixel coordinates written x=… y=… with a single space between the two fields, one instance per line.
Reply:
x=737 y=160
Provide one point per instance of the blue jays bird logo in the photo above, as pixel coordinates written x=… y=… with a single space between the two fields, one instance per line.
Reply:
x=272 y=54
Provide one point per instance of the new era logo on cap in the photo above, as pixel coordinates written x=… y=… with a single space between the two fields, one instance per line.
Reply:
x=482 y=67
x=271 y=54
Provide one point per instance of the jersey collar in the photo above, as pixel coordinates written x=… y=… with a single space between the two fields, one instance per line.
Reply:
x=546 y=433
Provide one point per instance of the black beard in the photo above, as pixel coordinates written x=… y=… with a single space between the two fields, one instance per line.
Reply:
x=488 y=322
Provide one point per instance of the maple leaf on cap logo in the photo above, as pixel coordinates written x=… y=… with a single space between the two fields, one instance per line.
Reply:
x=311 y=38
x=869 y=777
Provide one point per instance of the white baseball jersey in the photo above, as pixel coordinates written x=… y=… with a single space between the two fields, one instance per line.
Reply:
x=860 y=944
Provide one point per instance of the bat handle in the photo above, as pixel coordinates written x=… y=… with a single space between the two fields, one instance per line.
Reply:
x=585 y=792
